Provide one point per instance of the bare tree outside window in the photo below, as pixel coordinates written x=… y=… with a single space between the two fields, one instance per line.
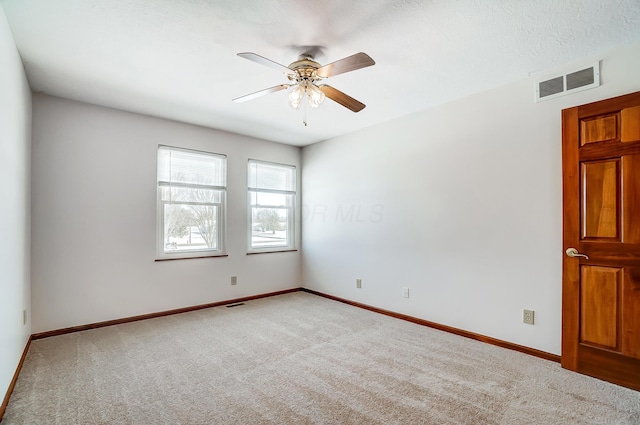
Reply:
x=268 y=220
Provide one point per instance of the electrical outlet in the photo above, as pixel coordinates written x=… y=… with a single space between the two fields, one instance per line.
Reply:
x=528 y=317
x=24 y=317
x=405 y=292
x=234 y=280
x=358 y=283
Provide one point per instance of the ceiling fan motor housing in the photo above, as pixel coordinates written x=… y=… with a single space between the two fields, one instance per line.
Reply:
x=305 y=69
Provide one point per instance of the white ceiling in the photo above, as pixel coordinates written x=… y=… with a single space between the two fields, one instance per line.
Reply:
x=177 y=59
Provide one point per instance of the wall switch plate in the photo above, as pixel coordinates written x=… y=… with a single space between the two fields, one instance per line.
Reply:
x=358 y=283
x=405 y=292
x=24 y=317
x=234 y=280
x=528 y=317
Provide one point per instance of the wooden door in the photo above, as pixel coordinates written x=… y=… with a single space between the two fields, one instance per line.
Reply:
x=601 y=219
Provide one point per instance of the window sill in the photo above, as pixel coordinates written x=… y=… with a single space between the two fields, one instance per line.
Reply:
x=191 y=258
x=271 y=252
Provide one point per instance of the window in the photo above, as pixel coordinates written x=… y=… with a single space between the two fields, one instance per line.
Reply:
x=191 y=203
x=272 y=199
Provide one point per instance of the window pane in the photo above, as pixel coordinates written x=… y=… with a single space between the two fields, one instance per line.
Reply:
x=269 y=227
x=189 y=167
x=272 y=199
x=271 y=176
x=190 y=227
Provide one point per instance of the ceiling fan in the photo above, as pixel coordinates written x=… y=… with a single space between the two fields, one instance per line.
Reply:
x=305 y=76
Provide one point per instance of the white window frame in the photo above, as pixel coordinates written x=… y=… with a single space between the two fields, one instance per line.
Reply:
x=291 y=207
x=161 y=252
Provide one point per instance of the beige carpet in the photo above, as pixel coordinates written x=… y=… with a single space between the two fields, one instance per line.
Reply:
x=299 y=359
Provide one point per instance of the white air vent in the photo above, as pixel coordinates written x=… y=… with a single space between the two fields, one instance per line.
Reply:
x=581 y=79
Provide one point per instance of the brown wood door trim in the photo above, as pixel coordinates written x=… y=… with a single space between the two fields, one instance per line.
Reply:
x=571 y=210
x=609 y=105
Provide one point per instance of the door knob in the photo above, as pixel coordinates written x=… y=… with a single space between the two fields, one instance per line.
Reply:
x=572 y=252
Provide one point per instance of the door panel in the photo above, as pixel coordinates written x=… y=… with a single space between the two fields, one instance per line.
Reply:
x=599 y=129
x=599 y=288
x=600 y=199
x=631 y=295
x=601 y=219
x=631 y=197
x=630 y=124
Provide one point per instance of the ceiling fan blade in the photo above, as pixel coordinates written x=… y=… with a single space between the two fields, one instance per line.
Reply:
x=350 y=63
x=343 y=99
x=260 y=93
x=267 y=62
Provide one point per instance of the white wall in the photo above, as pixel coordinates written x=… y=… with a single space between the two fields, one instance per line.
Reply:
x=460 y=203
x=94 y=210
x=15 y=136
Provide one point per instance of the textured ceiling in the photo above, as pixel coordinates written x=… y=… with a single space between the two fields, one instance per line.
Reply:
x=177 y=59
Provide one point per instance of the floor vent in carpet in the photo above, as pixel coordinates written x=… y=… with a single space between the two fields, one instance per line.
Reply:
x=234 y=305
